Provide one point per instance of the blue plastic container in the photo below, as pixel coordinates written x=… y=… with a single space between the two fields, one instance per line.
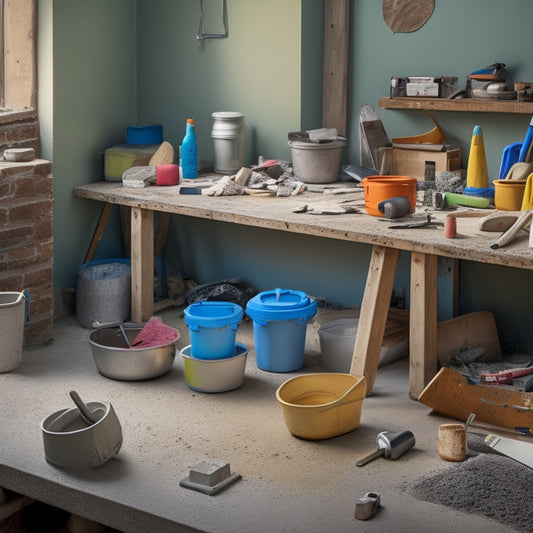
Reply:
x=144 y=134
x=213 y=327
x=280 y=324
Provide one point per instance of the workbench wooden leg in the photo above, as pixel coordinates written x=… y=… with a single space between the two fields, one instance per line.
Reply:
x=422 y=322
x=99 y=231
x=373 y=315
x=142 y=264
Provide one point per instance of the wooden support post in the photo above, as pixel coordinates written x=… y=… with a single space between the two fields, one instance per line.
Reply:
x=422 y=322
x=161 y=235
x=335 y=76
x=142 y=264
x=373 y=315
x=99 y=231
x=125 y=221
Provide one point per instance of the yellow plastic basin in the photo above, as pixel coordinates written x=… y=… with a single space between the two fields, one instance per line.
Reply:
x=321 y=406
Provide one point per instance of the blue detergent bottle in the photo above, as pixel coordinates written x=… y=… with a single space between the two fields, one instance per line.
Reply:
x=189 y=152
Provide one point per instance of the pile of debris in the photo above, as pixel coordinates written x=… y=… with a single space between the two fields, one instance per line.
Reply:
x=272 y=178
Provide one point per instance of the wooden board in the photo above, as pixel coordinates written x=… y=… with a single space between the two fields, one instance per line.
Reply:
x=423 y=321
x=336 y=32
x=450 y=394
x=468 y=331
x=416 y=163
x=373 y=318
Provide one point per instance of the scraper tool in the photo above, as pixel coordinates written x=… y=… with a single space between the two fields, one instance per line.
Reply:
x=390 y=445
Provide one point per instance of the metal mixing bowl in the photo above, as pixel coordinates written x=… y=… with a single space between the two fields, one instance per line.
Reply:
x=115 y=360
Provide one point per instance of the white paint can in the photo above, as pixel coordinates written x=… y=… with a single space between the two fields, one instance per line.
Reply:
x=228 y=141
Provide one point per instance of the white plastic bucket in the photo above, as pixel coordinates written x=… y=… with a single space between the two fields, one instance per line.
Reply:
x=337 y=340
x=228 y=141
x=316 y=162
x=12 y=314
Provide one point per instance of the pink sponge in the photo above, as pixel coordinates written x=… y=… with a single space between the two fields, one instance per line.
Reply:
x=167 y=174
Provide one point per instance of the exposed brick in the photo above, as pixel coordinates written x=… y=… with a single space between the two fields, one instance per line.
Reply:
x=25 y=188
x=38 y=307
x=43 y=186
x=16 y=170
x=19 y=132
x=39 y=276
x=43 y=170
x=39 y=332
x=22 y=257
x=14 y=235
x=31 y=212
x=11 y=281
x=26 y=232
x=46 y=250
x=44 y=231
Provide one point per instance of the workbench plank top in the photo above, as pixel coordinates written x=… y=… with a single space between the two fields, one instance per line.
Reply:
x=277 y=214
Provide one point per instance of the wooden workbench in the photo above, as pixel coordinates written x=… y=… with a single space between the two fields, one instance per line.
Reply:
x=425 y=245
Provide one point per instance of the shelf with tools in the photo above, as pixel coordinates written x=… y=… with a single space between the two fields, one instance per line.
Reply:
x=462 y=104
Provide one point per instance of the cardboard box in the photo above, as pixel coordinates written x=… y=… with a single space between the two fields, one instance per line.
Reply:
x=424 y=164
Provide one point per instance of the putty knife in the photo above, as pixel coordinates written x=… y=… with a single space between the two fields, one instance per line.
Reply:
x=391 y=445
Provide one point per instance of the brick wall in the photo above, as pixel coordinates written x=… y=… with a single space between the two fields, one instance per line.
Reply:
x=26 y=229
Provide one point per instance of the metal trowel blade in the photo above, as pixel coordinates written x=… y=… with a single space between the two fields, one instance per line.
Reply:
x=395 y=443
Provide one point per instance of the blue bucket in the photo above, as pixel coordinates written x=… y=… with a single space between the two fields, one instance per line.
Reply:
x=280 y=324
x=213 y=327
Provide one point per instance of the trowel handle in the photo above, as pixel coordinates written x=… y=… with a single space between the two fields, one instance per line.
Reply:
x=380 y=452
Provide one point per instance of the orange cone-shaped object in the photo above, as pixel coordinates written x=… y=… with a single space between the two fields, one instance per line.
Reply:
x=477 y=175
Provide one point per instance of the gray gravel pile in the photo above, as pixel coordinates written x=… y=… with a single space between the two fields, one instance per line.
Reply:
x=493 y=486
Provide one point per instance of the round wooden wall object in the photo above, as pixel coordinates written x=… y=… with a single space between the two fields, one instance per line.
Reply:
x=404 y=16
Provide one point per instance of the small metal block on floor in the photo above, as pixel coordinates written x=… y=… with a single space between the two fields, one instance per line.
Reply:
x=209 y=476
x=367 y=506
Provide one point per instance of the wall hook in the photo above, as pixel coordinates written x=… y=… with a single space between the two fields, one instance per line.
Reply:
x=201 y=30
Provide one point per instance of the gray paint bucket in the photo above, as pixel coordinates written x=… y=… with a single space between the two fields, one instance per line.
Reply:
x=103 y=292
x=316 y=162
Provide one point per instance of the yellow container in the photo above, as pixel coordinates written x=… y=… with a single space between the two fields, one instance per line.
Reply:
x=508 y=194
x=527 y=200
x=321 y=406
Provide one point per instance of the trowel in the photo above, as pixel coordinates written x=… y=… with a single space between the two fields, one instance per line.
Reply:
x=390 y=445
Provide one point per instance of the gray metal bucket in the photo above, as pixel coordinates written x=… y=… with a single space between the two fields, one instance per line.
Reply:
x=103 y=292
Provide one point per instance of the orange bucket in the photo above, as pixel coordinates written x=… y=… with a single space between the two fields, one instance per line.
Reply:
x=508 y=194
x=379 y=188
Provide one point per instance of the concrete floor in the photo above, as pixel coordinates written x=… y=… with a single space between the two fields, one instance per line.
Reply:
x=303 y=485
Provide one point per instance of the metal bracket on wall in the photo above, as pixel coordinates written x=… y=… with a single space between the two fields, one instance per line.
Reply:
x=201 y=30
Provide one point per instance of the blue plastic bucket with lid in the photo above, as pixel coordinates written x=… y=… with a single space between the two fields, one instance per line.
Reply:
x=213 y=328
x=280 y=323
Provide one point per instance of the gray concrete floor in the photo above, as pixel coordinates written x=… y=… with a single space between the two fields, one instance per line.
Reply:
x=313 y=485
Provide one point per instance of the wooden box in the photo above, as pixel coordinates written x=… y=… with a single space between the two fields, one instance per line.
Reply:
x=424 y=164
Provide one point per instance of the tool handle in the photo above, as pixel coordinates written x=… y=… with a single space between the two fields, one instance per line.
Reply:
x=522 y=156
x=505 y=238
x=374 y=455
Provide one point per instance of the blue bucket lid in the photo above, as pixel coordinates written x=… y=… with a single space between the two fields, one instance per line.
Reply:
x=281 y=304
x=213 y=314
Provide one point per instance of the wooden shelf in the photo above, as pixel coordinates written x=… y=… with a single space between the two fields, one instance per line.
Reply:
x=465 y=104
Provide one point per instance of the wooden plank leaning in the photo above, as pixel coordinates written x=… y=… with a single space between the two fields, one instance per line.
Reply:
x=142 y=264
x=373 y=315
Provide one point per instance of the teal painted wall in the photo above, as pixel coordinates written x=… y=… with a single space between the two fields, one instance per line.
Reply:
x=118 y=62
x=460 y=37
x=255 y=71
x=93 y=96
